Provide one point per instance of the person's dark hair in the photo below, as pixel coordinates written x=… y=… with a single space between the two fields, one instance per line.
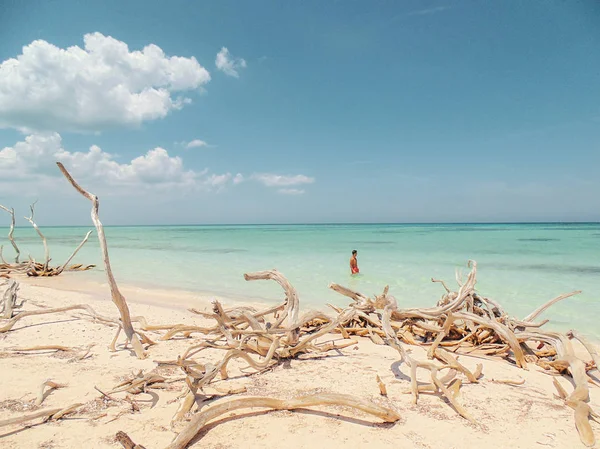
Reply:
x=354 y=252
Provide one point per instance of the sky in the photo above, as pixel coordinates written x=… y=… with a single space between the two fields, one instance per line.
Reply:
x=193 y=112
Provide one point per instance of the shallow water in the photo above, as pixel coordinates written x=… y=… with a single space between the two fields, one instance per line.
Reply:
x=519 y=265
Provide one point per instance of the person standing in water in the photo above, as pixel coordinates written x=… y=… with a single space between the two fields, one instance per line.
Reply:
x=354 y=262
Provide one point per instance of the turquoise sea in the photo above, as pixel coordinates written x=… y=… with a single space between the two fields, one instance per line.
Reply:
x=519 y=265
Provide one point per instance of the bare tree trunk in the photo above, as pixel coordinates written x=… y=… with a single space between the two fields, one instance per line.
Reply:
x=35 y=226
x=117 y=297
x=11 y=211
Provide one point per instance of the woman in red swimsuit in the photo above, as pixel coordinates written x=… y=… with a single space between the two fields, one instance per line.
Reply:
x=354 y=263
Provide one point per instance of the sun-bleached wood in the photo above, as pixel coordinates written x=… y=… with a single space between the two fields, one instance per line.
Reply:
x=116 y=295
x=37 y=229
x=214 y=411
x=11 y=231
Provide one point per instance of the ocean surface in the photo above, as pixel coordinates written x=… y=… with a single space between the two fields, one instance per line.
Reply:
x=519 y=265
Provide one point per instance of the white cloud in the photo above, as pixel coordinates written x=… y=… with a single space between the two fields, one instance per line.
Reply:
x=291 y=191
x=423 y=12
x=34 y=158
x=218 y=181
x=239 y=178
x=273 y=180
x=99 y=86
x=229 y=65
x=196 y=143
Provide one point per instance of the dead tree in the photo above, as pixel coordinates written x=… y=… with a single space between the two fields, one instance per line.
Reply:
x=11 y=211
x=117 y=297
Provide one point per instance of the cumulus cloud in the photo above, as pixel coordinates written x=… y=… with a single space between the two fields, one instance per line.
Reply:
x=99 y=86
x=196 y=143
x=291 y=191
x=229 y=65
x=34 y=158
x=273 y=180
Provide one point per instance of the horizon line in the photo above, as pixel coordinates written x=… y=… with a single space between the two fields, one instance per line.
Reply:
x=447 y=223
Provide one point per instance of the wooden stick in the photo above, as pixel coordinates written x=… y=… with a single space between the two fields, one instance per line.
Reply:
x=21 y=419
x=52 y=413
x=382 y=388
x=62 y=268
x=116 y=295
x=359 y=298
x=127 y=442
x=508 y=381
x=443 y=284
x=10 y=323
x=533 y=315
x=42 y=395
x=65 y=411
x=43 y=348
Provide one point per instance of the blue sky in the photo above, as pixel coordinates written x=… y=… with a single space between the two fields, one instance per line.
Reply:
x=329 y=111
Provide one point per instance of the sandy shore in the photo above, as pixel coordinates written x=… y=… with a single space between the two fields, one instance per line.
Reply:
x=526 y=416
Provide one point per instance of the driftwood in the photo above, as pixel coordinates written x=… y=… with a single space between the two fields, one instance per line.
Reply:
x=467 y=323
x=292 y=303
x=37 y=229
x=509 y=381
x=63 y=266
x=8 y=325
x=9 y=301
x=11 y=211
x=382 y=387
x=51 y=414
x=587 y=345
x=117 y=297
x=43 y=393
x=127 y=442
x=31 y=267
x=247 y=335
x=42 y=348
x=201 y=419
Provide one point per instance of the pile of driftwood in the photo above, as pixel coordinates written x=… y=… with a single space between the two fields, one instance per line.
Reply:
x=465 y=322
x=31 y=267
x=462 y=322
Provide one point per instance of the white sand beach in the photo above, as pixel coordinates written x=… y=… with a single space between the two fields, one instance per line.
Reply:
x=507 y=416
